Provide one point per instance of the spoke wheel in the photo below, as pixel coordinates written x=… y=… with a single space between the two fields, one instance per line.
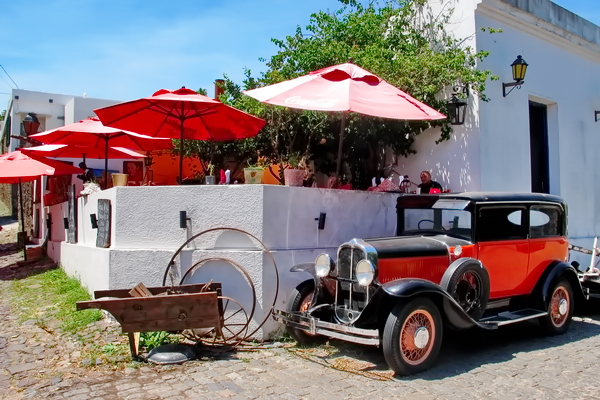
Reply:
x=233 y=329
x=467 y=291
x=560 y=309
x=417 y=337
x=300 y=301
x=468 y=282
x=412 y=336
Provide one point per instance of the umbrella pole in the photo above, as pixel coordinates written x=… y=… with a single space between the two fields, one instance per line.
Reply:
x=339 y=157
x=181 y=155
x=106 y=164
x=22 y=221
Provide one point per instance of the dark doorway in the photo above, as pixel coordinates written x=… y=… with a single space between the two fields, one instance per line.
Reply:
x=538 y=133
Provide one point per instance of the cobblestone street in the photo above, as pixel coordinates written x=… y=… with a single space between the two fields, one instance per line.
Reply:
x=514 y=362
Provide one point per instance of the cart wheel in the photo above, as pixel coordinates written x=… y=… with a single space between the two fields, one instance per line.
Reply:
x=234 y=326
x=412 y=336
x=560 y=309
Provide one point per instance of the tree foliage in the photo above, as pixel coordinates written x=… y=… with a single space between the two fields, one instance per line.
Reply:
x=401 y=41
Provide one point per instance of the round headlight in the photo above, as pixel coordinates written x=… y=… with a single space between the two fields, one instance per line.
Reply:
x=365 y=272
x=323 y=265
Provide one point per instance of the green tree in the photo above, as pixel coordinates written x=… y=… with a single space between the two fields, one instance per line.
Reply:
x=400 y=41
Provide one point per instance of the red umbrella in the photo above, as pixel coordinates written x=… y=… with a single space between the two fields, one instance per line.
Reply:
x=347 y=88
x=75 y=151
x=16 y=167
x=181 y=114
x=91 y=133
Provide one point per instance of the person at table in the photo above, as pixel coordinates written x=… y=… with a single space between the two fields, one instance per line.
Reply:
x=427 y=184
x=134 y=171
x=88 y=175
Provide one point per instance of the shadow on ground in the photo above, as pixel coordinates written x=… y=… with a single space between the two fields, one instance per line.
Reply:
x=461 y=351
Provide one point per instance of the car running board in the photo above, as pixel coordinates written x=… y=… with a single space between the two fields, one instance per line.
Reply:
x=510 y=317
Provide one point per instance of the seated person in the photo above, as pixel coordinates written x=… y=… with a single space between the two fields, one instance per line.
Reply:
x=427 y=184
x=88 y=175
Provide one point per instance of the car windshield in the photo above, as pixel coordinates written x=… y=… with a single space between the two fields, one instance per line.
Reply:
x=446 y=221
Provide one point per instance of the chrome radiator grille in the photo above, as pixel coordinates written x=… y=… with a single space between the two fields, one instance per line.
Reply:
x=348 y=257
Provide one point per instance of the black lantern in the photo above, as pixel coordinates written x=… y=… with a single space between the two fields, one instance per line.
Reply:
x=457 y=108
x=31 y=124
x=148 y=160
x=519 y=69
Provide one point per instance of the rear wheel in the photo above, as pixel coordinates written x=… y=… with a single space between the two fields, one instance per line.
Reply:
x=300 y=301
x=560 y=309
x=412 y=336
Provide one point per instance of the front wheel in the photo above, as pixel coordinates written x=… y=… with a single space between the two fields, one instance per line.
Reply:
x=412 y=336
x=300 y=301
x=560 y=309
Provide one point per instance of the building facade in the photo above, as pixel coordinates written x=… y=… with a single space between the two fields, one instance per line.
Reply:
x=543 y=136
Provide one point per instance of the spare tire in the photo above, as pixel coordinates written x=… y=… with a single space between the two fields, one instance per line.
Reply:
x=468 y=282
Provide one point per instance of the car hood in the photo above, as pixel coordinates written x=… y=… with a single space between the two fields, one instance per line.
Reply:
x=415 y=246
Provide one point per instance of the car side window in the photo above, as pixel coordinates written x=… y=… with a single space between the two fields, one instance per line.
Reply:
x=501 y=223
x=544 y=221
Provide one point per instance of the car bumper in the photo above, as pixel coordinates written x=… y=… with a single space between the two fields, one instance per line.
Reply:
x=315 y=326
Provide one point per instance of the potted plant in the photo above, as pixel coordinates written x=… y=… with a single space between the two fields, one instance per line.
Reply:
x=254 y=173
x=294 y=171
x=211 y=179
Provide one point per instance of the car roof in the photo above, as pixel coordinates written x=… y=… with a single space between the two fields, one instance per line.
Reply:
x=482 y=197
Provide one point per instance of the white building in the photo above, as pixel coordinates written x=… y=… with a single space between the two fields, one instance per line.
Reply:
x=53 y=110
x=543 y=137
x=551 y=119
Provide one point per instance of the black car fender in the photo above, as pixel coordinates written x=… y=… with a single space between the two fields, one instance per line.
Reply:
x=320 y=294
x=554 y=271
x=453 y=313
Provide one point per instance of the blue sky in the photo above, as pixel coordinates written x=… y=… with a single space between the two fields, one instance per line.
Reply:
x=126 y=49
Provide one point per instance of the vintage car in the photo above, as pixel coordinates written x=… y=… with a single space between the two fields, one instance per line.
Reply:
x=458 y=261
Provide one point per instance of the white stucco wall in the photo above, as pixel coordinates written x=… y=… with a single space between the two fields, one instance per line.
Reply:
x=145 y=234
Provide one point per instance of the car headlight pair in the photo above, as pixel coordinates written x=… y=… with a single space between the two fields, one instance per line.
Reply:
x=365 y=271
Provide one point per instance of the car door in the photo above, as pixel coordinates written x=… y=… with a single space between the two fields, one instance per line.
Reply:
x=547 y=241
x=503 y=247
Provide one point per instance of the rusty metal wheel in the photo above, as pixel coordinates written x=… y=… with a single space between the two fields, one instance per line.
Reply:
x=234 y=326
x=412 y=336
x=560 y=309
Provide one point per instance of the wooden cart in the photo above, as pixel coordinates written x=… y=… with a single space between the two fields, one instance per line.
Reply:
x=195 y=306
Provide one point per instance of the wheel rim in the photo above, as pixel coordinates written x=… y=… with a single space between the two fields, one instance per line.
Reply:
x=417 y=337
x=468 y=291
x=305 y=303
x=559 y=306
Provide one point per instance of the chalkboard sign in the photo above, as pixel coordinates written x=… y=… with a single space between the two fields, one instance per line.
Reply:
x=104 y=210
x=72 y=209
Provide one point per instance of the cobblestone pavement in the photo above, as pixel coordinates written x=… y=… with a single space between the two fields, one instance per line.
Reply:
x=515 y=362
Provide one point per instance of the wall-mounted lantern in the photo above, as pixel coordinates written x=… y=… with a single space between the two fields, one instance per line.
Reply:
x=457 y=106
x=148 y=161
x=31 y=124
x=519 y=69
x=457 y=109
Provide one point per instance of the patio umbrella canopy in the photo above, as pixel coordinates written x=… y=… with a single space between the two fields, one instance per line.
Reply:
x=91 y=133
x=17 y=167
x=75 y=151
x=181 y=114
x=346 y=88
